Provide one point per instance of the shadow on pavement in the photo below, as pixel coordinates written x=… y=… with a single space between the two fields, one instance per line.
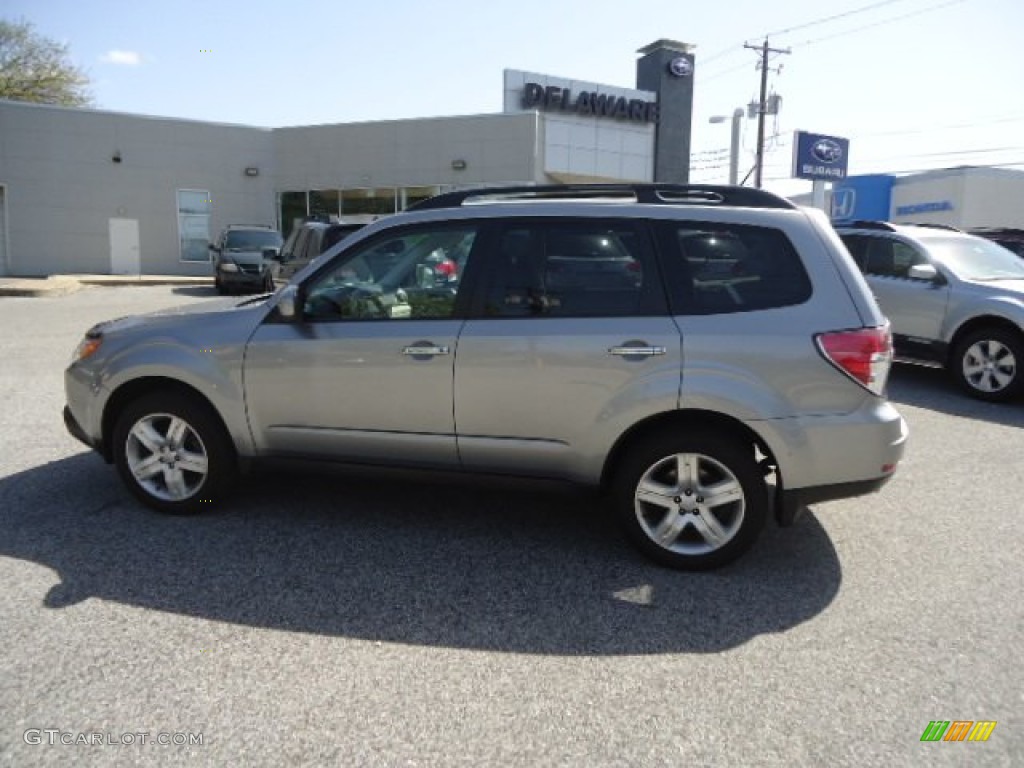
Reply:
x=400 y=561
x=933 y=389
x=202 y=291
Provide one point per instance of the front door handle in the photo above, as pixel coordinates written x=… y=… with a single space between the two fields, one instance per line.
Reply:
x=637 y=351
x=424 y=350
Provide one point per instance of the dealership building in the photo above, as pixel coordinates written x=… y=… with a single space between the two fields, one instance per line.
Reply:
x=967 y=198
x=89 y=191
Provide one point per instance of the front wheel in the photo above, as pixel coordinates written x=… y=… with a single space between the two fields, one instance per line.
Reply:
x=988 y=364
x=173 y=453
x=691 y=502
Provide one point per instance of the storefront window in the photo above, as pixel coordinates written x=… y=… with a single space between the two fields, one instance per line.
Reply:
x=324 y=202
x=293 y=210
x=194 y=207
x=409 y=195
x=378 y=202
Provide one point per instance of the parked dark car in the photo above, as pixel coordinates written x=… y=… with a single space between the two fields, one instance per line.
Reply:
x=244 y=257
x=305 y=243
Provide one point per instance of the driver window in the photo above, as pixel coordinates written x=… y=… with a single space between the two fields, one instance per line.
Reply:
x=410 y=275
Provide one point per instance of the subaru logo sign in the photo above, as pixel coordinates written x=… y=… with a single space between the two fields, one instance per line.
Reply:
x=817 y=156
x=680 y=66
x=844 y=203
x=827 y=151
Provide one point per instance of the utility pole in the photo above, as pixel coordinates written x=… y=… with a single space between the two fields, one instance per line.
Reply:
x=762 y=105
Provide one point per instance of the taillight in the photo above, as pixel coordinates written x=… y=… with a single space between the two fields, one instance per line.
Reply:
x=865 y=355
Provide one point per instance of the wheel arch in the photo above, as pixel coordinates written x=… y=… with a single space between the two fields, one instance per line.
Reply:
x=131 y=391
x=688 y=419
x=975 y=324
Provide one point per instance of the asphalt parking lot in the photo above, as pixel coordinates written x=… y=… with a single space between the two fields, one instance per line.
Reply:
x=361 y=622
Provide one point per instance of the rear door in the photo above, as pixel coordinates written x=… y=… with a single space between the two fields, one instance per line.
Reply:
x=570 y=342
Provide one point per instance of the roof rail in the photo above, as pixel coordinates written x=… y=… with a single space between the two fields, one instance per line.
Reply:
x=652 y=194
x=885 y=226
x=929 y=225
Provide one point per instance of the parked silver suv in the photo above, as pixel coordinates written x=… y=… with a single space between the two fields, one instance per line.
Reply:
x=954 y=300
x=703 y=354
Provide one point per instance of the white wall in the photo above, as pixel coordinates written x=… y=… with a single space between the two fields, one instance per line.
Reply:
x=994 y=197
x=938 y=187
x=496 y=149
x=63 y=187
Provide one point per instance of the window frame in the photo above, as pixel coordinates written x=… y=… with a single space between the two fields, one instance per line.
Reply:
x=679 y=284
x=468 y=282
x=653 y=299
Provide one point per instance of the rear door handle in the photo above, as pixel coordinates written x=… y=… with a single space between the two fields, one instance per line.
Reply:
x=423 y=350
x=637 y=351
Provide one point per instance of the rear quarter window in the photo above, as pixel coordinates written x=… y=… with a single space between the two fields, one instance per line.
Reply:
x=714 y=268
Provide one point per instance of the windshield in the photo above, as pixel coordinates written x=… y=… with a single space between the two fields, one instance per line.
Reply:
x=974 y=258
x=252 y=240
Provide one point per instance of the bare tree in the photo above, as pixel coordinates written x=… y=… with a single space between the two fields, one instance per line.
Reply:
x=35 y=68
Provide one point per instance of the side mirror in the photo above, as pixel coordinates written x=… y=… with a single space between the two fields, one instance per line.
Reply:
x=213 y=248
x=926 y=272
x=274 y=254
x=288 y=303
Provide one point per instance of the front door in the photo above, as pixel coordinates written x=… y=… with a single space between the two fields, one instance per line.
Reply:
x=367 y=374
x=916 y=308
x=124 y=247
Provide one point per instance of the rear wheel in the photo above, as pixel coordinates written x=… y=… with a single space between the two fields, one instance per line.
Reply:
x=173 y=453
x=989 y=364
x=691 y=502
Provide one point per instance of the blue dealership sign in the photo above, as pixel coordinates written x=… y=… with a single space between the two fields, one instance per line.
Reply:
x=816 y=156
x=862 y=197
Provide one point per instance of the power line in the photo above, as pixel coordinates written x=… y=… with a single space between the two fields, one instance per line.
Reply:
x=737 y=47
x=951 y=126
x=834 y=17
x=883 y=22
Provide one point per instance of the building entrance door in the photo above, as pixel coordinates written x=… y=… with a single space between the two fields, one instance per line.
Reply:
x=124 y=247
x=5 y=267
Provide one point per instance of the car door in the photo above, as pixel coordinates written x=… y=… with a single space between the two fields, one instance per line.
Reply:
x=571 y=325
x=916 y=308
x=366 y=373
x=295 y=258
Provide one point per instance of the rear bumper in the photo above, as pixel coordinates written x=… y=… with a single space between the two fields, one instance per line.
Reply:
x=791 y=504
x=829 y=457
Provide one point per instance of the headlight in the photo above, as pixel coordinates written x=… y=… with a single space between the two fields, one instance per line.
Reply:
x=225 y=267
x=86 y=348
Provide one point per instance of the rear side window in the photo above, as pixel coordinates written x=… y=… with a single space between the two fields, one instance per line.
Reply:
x=588 y=268
x=724 y=268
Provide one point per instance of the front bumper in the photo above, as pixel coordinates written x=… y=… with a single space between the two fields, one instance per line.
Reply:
x=243 y=279
x=75 y=429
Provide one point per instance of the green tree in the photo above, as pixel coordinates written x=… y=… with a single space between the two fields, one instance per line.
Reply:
x=35 y=68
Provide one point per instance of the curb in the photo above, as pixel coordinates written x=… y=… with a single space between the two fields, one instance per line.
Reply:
x=62 y=285
x=50 y=286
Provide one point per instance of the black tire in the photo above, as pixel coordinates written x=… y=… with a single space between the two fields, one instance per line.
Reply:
x=989 y=364
x=202 y=437
x=685 y=517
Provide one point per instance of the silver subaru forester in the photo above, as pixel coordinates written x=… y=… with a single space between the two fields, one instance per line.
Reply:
x=707 y=356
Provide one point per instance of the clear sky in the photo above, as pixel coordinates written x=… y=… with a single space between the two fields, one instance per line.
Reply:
x=914 y=84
